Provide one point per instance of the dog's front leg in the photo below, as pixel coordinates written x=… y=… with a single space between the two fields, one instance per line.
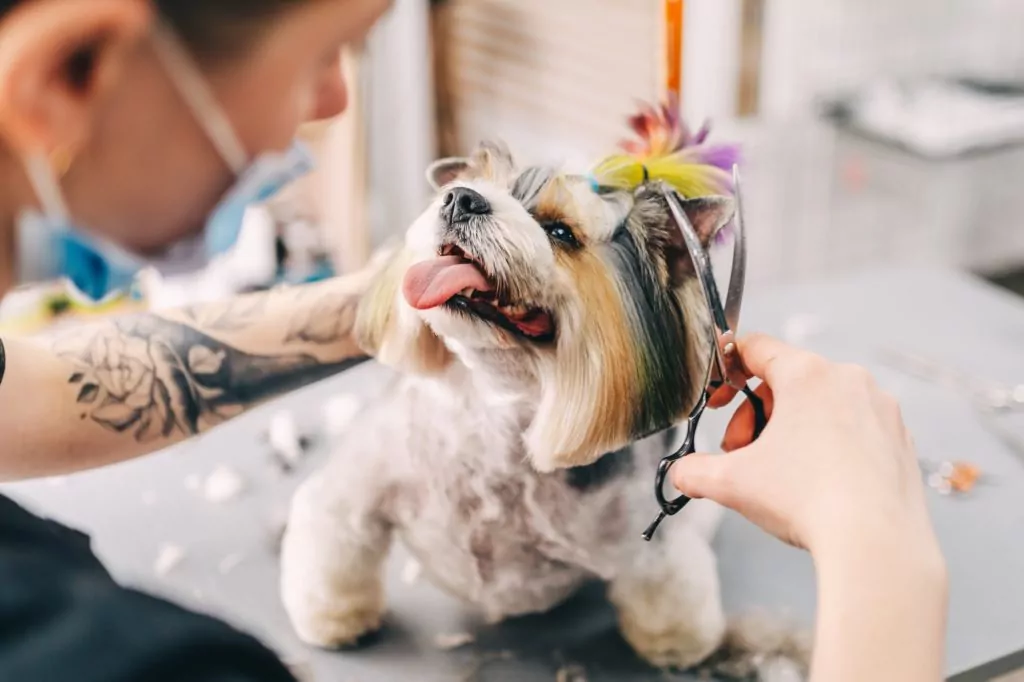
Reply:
x=332 y=560
x=668 y=599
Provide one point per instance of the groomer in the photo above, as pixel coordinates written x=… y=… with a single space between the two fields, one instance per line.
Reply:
x=133 y=134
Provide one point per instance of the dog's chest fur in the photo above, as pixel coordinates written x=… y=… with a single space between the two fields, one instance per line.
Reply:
x=464 y=499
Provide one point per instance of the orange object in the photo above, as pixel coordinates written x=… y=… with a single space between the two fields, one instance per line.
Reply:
x=963 y=477
x=674 y=12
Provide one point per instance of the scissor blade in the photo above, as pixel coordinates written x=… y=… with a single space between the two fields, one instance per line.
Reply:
x=734 y=297
x=706 y=277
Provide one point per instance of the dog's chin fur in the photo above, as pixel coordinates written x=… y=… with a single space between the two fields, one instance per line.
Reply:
x=514 y=469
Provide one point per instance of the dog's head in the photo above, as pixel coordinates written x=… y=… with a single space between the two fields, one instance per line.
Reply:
x=591 y=290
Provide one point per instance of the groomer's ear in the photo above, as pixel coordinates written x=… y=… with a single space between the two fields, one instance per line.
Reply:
x=445 y=171
x=58 y=58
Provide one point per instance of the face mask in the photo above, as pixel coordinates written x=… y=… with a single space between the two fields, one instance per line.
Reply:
x=51 y=245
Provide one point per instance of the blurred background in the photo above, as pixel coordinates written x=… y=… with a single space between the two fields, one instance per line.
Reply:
x=873 y=131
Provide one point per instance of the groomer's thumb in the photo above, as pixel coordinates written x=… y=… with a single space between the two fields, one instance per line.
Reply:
x=705 y=476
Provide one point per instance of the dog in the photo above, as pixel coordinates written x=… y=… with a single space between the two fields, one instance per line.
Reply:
x=548 y=333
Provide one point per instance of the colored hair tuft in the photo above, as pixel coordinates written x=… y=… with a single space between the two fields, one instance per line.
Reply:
x=666 y=150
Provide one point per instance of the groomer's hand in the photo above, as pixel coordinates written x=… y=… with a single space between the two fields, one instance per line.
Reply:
x=835 y=472
x=835 y=462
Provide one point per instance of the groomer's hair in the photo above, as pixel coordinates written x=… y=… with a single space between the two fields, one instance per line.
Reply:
x=221 y=28
x=212 y=28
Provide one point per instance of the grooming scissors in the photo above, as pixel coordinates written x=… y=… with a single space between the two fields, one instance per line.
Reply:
x=725 y=365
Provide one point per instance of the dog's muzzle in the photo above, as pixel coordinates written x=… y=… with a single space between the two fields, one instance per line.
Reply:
x=462 y=204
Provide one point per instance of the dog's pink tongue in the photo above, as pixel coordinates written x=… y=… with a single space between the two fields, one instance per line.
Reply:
x=432 y=283
x=534 y=324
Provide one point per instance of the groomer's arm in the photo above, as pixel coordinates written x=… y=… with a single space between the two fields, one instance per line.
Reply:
x=120 y=388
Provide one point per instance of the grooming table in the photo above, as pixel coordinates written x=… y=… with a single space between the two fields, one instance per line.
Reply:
x=229 y=563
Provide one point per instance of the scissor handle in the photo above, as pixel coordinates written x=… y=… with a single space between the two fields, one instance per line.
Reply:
x=760 y=415
x=676 y=505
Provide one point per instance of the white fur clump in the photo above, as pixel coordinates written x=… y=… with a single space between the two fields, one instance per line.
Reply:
x=283 y=435
x=447 y=641
x=168 y=558
x=224 y=484
x=411 y=572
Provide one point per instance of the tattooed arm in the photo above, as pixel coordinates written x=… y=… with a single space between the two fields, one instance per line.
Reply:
x=113 y=390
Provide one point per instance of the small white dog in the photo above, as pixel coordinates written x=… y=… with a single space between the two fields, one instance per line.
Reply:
x=545 y=326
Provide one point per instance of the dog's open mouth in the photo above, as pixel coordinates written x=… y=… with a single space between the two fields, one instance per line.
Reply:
x=455 y=280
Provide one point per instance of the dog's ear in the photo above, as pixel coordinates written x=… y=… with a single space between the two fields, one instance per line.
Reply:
x=446 y=171
x=388 y=329
x=493 y=161
x=708 y=216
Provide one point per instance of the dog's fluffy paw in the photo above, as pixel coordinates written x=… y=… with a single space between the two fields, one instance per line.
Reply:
x=765 y=648
x=678 y=648
x=333 y=629
x=672 y=617
x=666 y=632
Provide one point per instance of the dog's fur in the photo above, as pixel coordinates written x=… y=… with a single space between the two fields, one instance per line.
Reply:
x=515 y=470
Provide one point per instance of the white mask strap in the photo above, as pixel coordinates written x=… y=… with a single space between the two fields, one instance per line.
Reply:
x=188 y=79
x=44 y=182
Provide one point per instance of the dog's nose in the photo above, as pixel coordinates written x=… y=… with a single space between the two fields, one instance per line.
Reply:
x=462 y=203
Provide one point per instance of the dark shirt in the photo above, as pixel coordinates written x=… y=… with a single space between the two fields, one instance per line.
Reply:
x=64 y=618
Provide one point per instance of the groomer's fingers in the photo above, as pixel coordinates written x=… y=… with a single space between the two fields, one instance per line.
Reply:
x=768 y=359
x=740 y=431
x=706 y=476
x=722 y=396
x=776 y=362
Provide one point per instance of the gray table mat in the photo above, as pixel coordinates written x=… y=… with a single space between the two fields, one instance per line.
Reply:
x=229 y=567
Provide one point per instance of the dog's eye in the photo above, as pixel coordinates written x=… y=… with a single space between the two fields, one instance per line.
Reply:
x=562 y=232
